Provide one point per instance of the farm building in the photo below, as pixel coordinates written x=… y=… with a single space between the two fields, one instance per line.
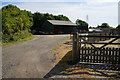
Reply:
x=58 y=26
x=110 y=31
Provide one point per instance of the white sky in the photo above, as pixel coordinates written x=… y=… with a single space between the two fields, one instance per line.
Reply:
x=99 y=11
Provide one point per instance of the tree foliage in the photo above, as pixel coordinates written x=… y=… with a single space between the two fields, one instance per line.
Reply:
x=16 y=23
x=82 y=25
x=104 y=25
x=118 y=27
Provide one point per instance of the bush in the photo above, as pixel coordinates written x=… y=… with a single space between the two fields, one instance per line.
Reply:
x=15 y=23
x=15 y=37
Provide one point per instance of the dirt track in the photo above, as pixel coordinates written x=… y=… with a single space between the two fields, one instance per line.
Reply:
x=31 y=59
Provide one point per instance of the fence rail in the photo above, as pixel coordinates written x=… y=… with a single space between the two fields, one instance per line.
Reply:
x=99 y=43
x=108 y=36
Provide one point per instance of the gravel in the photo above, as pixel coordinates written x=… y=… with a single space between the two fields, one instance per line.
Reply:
x=31 y=59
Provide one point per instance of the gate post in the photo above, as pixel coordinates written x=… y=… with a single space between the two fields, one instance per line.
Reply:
x=118 y=42
x=75 y=51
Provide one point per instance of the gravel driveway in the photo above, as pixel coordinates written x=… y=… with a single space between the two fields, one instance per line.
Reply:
x=31 y=59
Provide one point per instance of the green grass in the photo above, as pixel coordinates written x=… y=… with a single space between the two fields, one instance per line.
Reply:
x=18 y=41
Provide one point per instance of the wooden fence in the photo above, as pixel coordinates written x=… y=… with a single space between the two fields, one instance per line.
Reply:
x=95 y=54
x=104 y=55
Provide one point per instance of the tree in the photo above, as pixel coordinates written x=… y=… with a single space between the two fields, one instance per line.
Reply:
x=82 y=24
x=61 y=17
x=103 y=25
x=15 y=23
x=118 y=27
x=38 y=20
x=49 y=16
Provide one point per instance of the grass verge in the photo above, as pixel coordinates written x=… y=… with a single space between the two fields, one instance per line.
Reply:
x=61 y=50
x=18 y=41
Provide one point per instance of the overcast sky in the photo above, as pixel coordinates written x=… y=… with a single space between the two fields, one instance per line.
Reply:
x=98 y=11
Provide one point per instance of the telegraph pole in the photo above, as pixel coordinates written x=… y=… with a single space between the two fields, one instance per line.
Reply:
x=87 y=19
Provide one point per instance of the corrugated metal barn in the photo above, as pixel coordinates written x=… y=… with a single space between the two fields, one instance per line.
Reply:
x=58 y=27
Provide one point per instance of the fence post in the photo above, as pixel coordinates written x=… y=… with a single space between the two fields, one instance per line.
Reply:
x=118 y=42
x=75 y=52
x=119 y=57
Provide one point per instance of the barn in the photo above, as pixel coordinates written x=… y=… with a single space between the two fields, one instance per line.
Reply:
x=58 y=27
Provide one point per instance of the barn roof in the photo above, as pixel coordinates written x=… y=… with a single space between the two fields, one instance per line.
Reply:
x=63 y=23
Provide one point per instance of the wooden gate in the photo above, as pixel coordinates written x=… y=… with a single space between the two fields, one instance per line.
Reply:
x=95 y=54
x=103 y=55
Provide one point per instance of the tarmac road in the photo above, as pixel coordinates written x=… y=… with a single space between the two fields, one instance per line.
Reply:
x=31 y=59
